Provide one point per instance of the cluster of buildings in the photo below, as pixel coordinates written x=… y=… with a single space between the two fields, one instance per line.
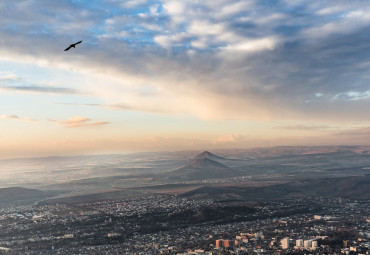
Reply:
x=311 y=244
x=240 y=244
x=147 y=225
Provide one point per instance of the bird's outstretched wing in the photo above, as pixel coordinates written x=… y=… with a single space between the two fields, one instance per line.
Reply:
x=72 y=45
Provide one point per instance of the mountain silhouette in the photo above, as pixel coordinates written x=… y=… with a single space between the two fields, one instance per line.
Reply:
x=201 y=168
x=203 y=163
x=208 y=155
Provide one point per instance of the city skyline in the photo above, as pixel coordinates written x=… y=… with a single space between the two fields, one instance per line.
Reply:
x=169 y=75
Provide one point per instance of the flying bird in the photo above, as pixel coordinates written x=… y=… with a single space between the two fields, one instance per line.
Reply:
x=73 y=45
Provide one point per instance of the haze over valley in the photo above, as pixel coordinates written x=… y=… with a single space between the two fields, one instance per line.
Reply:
x=227 y=173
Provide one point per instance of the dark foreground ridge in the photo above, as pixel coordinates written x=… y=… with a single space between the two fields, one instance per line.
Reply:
x=18 y=195
x=347 y=187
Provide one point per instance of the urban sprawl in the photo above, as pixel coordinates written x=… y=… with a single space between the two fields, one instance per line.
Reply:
x=169 y=224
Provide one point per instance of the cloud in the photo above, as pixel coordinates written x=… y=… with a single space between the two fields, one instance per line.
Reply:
x=167 y=41
x=352 y=95
x=16 y=117
x=234 y=9
x=359 y=132
x=234 y=138
x=349 y=21
x=118 y=106
x=253 y=45
x=75 y=104
x=304 y=127
x=9 y=81
x=133 y=3
x=176 y=10
x=40 y=89
x=77 y=121
x=8 y=76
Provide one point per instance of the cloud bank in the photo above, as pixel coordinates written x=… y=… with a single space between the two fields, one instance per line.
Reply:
x=78 y=121
x=16 y=117
x=249 y=60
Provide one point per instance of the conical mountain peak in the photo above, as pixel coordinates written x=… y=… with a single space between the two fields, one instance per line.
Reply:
x=203 y=166
x=208 y=155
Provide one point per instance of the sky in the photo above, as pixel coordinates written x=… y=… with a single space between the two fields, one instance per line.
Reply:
x=178 y=75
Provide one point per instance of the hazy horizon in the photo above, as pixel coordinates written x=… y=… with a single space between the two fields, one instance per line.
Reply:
x=190 y=150
x=81 y=172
